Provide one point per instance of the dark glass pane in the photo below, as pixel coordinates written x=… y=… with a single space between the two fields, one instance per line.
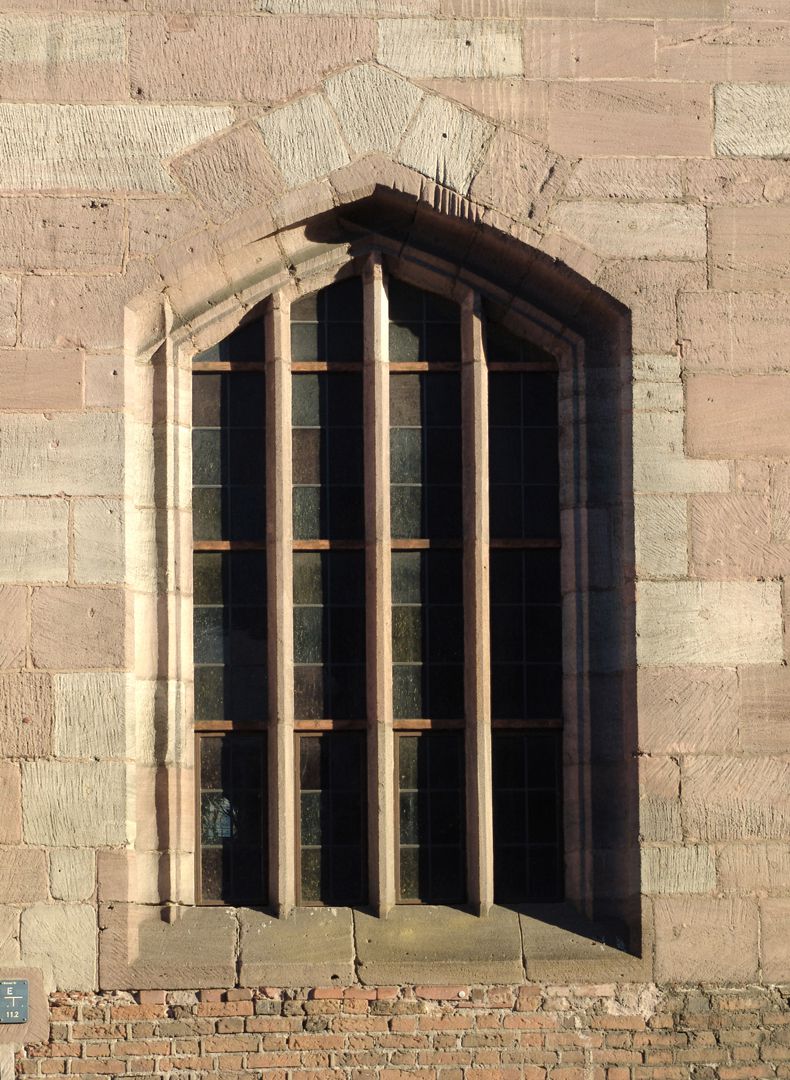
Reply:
x=245 y=345
x=407 y=634
x=307 y=512
x=406 y=577
x=407 y=691
x=405 y=342
x=247 y=400
x=304 y=341
x=308 y=586
x=308 y=635
x=405 y=401
x=207 y=454
x=406 y=456
x=406 y=511
x=306 y=400
x=207 y=399
x=308 y=692
x=327 y=325
x=210 y=693
x=209 y=587
x=405 y=301
x=423 y=326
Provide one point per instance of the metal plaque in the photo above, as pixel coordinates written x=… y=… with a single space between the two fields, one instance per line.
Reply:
x=13 y=1001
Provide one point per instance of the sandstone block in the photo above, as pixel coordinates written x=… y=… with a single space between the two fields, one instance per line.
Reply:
x=663 y=9
x=738 y=416
x=450 y=48
x=75 y=454
x=660 y=465
x=732 y=331
x=51 y=58
x=702 y=939
x=780 y=501
x=90 y=715
x=9 y=302
x=708 y=622
x=98 y=541
x=774 y=939
x=104 y=382
x=752 y=120
x=750 y=248
x=156 y=222
x=731 y=537
x=644 y=179
x=23 y=872
x=78 y=628
x=9 y=935
x=165 y=808
x=589 y=49
x=34 y=540
x=13 y=626
x=26 y=714
x=373 y=107
x=239 y=153
x=619 y=230
x=517 y=104
x=687 y=710
x=661 y=536
x=318 y=943
x=61 y=233
x=731 y=52
x=659 y=799
x=676 y=869
x=61 y=940
x=41 y=380
x=765 y=708
x=514 y=9
x=304 y=140
x=670 y=119
x=11 y=802
x=72 y=873
x=650 y=289
x=232 y=58
x=445 y=143
x=66 y=801
x=750 y=868
x=736 y=798
x=525 y=170
x=146 y=877
x=737 y=181
x=120 y=147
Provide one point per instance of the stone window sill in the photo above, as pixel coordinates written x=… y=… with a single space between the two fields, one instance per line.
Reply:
x=220 y=947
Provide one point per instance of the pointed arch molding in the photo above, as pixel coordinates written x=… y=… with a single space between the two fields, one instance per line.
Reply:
x=443 y=241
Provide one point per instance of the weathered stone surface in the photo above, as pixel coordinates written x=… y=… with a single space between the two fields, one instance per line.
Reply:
x=104 y=382
x=561 y=944
x=678 y=869
x=660 y=465
x=90 y=715
x=196 y=949
x=511 y=9
x=304 y=140
x=736 y=798
x=373 y=107
x=589 y=49
x=61 y=940
x=60 y=233
x=146 y=877
x=708 y=622
x=439 y=946
x=732 y=331
x=661 y=529
x=445 y=143
x=69 y=311
x=9 y=935
x=750 y=247
x=625 y=178
x=34 y=540
x=98 y=147
x=51 y=58
x=765 y=708
x=749 y=868
x=9 y=302
x=13 y=626
x=72 y=873
x=450 y=48
x=738 y=181
x=156 y=222
x=728 y=52
x=315 y=944
x=98 y=541
x=41 y=380
x=605 y=118
x=731 y=537
x=518 y=104
x=72 y=454
x=738 y=416
x=165 y=813
x=774 y=939
x=23 y=872
x=26 y=714
x=659 y=799
x=683 y=710
x=78 y=628
x=620 y=230
x=780 y=501
x=227 y=58
x=663 y=9
x=239 y=154
x=63 y=802
x=702 y=939
x=524 y=169
x=11 y=802
x=650 y=289
x=752 y=119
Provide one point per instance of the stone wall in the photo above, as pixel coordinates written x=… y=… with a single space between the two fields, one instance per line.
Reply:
x=158 y=162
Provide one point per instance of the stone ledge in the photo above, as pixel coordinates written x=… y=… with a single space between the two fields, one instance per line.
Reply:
x=312 y=947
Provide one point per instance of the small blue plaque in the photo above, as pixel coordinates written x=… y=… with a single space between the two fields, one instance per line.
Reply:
x=13 y=1001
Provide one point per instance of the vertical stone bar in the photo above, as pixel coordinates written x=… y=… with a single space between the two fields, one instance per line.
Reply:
x=279 y=560
x=477 y=638
x=378 y=586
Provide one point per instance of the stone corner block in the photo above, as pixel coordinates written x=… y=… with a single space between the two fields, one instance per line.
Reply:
x=311 y=947
x=61 y=940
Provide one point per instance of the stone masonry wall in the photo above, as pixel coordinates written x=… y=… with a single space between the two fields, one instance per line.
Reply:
x=158 y=160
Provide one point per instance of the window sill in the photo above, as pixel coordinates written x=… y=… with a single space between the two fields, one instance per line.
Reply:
x=221 y=947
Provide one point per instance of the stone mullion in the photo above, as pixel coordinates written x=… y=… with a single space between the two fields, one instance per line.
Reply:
x=279 y=558
x=477 y=638
x=378 y=582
